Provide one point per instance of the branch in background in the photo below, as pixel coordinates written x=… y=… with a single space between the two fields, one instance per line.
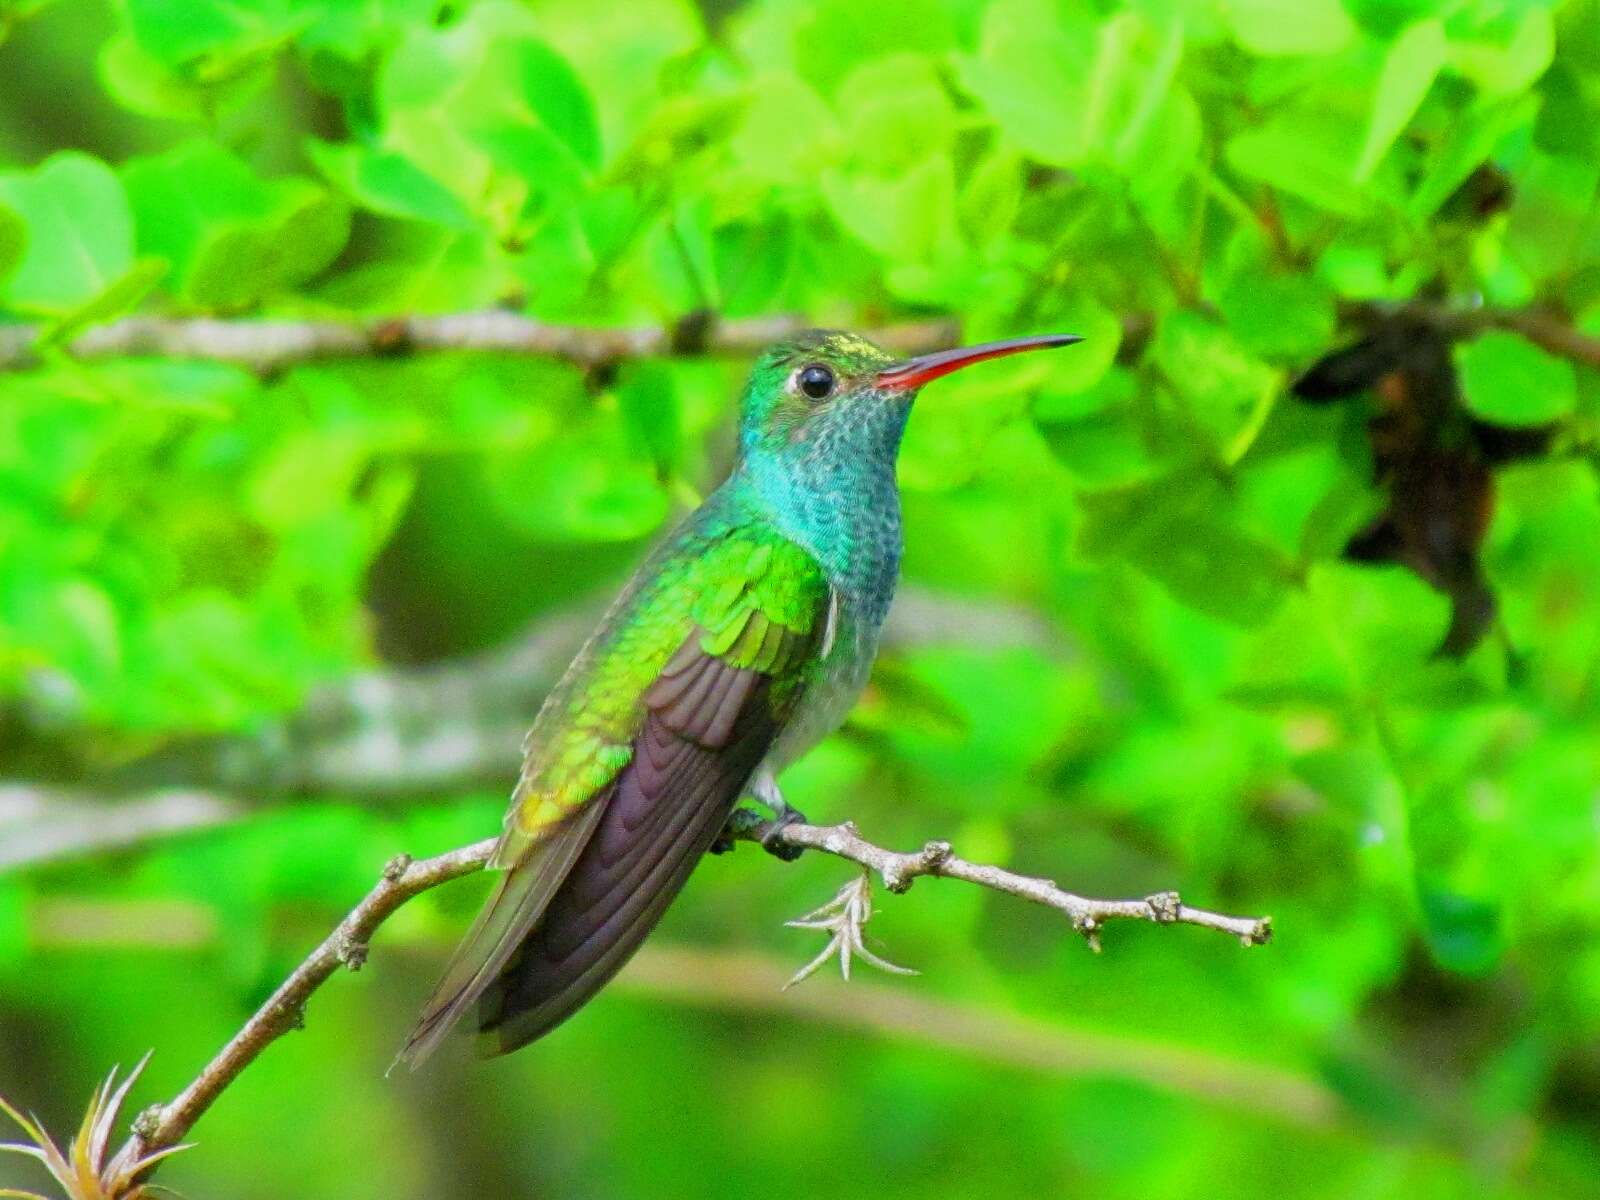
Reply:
x=41 y=824
x=397 y=732
x=1549 y=330
x=271 y=345
x=166 y=1125
x=744 y=981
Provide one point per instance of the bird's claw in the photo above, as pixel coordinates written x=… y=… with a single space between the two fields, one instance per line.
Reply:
x=741 y=823
x=771 y=840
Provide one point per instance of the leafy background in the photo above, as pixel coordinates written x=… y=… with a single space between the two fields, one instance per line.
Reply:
x=1131 y=656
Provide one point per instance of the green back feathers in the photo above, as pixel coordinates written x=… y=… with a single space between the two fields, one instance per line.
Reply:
x=750 y=597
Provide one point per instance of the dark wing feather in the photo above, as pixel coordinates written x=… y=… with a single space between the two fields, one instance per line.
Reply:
x=519 y=899
x=708 y=724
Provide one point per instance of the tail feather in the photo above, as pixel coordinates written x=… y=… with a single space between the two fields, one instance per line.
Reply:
x=669 y=805
x=572 y=912
x=520 y=898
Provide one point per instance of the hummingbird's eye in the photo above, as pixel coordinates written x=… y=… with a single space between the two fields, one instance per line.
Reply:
x=816 y=381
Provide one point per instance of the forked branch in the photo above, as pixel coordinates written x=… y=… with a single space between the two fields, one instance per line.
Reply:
x=166 y=1125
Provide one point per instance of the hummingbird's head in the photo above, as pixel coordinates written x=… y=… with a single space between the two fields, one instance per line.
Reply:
x=833 y=393
x=818 y=437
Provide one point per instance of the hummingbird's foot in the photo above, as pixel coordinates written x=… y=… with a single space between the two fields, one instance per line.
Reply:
x=770 y=840
x=745 y=824
x=741 y=823
x=764 y=789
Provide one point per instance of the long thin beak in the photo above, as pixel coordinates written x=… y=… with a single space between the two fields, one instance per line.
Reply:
x=915 y=372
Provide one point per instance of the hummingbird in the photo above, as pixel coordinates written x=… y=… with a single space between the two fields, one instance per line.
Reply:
x=742 y=639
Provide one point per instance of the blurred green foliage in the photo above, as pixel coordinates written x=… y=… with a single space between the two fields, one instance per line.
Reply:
x=1221 y=703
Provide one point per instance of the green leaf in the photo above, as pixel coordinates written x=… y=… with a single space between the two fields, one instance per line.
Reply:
x=622 y=51
x=1307 y=153
x=582 y=487
x=1509 y=381
x=557 y=96
x=989 y=202
x=1509 y=63
x=308 y=474
x=140 y=82
x=1278 y=316
x=232 y=237
x=895 y=113
x=649 y=401
x=1113 y=387
x=1290 y=27
x=429 y=269
x=115 y=301
x=1470 y=140
x=906 y=219
x=554 y=177
x=1465 y=933
x=784 y=122
x=1177 y=530
x=388 y=184
x=1229 y=391
x=833 y=37
x=753 y=261
x=1565 y=124
x=1082 y=367
x=1409 y=69
x=79 y=233
x=13 y=240
x=1029 y=75
x=209 y=37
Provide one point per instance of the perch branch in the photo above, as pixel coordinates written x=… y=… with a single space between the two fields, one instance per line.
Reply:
x=166 y=1125
x=899 y=869
x=284 y=1010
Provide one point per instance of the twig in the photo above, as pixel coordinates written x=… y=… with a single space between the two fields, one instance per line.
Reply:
x=1548 y=330
x=284 y=1010
x=269 y=345
x=165 y=1125
x=899 y=870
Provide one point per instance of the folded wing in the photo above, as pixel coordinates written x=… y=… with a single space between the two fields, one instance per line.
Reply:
x=589 y=879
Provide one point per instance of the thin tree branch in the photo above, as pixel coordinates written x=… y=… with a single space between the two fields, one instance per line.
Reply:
x=899 y=870
x=396 y=732
x=270 y=345
x=166 y=1125
x=746 y=980
x=284 y=1010
x=41 y=824
x=1545 y=328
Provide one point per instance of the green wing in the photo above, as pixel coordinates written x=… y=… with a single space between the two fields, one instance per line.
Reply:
x=631 y=768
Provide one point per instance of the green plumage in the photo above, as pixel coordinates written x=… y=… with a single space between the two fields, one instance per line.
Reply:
x=749 y=595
